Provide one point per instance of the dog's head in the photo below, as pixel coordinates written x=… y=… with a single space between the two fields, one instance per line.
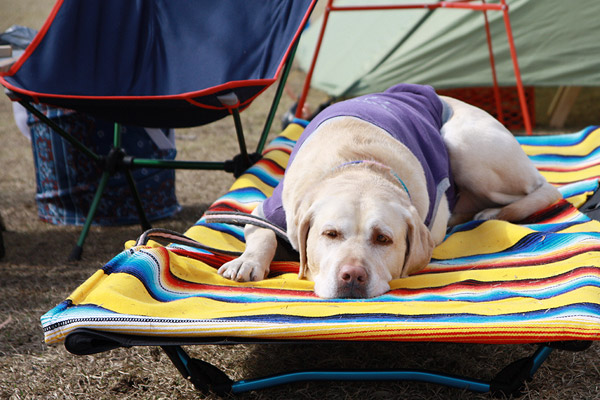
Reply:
x=355 y=232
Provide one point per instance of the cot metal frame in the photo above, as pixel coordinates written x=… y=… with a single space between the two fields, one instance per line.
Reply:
x=508 y=381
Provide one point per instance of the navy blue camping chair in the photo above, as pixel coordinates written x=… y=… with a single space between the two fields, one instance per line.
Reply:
x=158 y=64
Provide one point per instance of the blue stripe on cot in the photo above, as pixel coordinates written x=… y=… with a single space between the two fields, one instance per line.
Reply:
x=244 y=195
x=541 y=242
x=535 y=244
x=263 y=175
x=568 y=139
x=577 y=188
x=189 y=248
x=562 y=160
x=467 y=226
x=233 y=230
x=281 y=141
x=115 y=263
x=557 y=228
x=302 y=122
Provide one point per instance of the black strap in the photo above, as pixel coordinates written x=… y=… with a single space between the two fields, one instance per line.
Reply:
x=228 y=217
x=241 y=218
x=591 y=207
x=179 y=238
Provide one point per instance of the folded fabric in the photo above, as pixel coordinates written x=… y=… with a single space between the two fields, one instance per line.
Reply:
x=488 y=282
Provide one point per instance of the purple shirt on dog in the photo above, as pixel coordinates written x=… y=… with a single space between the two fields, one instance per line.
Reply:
x=412 y=114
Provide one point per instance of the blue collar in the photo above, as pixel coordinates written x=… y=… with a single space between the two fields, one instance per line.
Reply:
x=358 y=162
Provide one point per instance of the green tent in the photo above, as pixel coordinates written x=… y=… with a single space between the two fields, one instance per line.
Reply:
x=557 y=42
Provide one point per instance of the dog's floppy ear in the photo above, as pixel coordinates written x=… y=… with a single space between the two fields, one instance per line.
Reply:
x=302 y=237
x=298 y=225
x=419 y=244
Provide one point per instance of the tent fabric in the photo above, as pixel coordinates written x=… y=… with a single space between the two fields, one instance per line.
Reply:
x=488 y=282
x=368 y=51
x=157 y=63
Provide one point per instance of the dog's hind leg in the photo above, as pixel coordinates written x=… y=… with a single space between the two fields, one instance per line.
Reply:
x=490 y=169
x=542 y=197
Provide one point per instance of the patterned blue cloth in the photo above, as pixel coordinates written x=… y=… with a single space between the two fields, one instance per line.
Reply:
x=66 y=179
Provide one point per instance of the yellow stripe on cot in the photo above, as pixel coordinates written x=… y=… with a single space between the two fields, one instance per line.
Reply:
x=215 y=239
x=278 y=156
x=487 y=238
x=292 y=132
x=579 y=200
x=90 y=284
x=251 y=181
x=565 y=177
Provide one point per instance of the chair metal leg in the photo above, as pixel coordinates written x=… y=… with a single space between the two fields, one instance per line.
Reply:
x=78 y=249
x=240 y=135
x=276 y=100
x=138 y=201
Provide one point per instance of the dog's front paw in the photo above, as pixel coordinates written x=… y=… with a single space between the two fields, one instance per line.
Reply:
x=244 y=270
x=490 y=213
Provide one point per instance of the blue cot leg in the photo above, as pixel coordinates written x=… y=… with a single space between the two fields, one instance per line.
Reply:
x=539 y=357
x=207 y=377
x=204 y=376
x=399 y=375
x=510 y=381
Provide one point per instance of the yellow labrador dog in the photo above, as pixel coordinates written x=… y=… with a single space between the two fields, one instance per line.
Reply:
x=374 y=182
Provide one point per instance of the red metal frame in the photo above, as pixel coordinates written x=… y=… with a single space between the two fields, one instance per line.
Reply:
x=457 y=4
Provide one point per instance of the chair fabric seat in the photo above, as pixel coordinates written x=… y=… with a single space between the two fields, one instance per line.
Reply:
x=157 y=63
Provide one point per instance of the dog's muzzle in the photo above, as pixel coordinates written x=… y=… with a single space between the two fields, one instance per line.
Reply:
x=352 y=282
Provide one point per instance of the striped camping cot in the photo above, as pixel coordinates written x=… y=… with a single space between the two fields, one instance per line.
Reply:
x=488 y=282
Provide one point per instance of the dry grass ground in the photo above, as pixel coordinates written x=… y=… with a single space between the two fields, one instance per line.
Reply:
x=34 y=277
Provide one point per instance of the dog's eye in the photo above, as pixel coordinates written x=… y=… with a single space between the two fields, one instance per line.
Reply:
x=383 y=239
x=331 y=234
